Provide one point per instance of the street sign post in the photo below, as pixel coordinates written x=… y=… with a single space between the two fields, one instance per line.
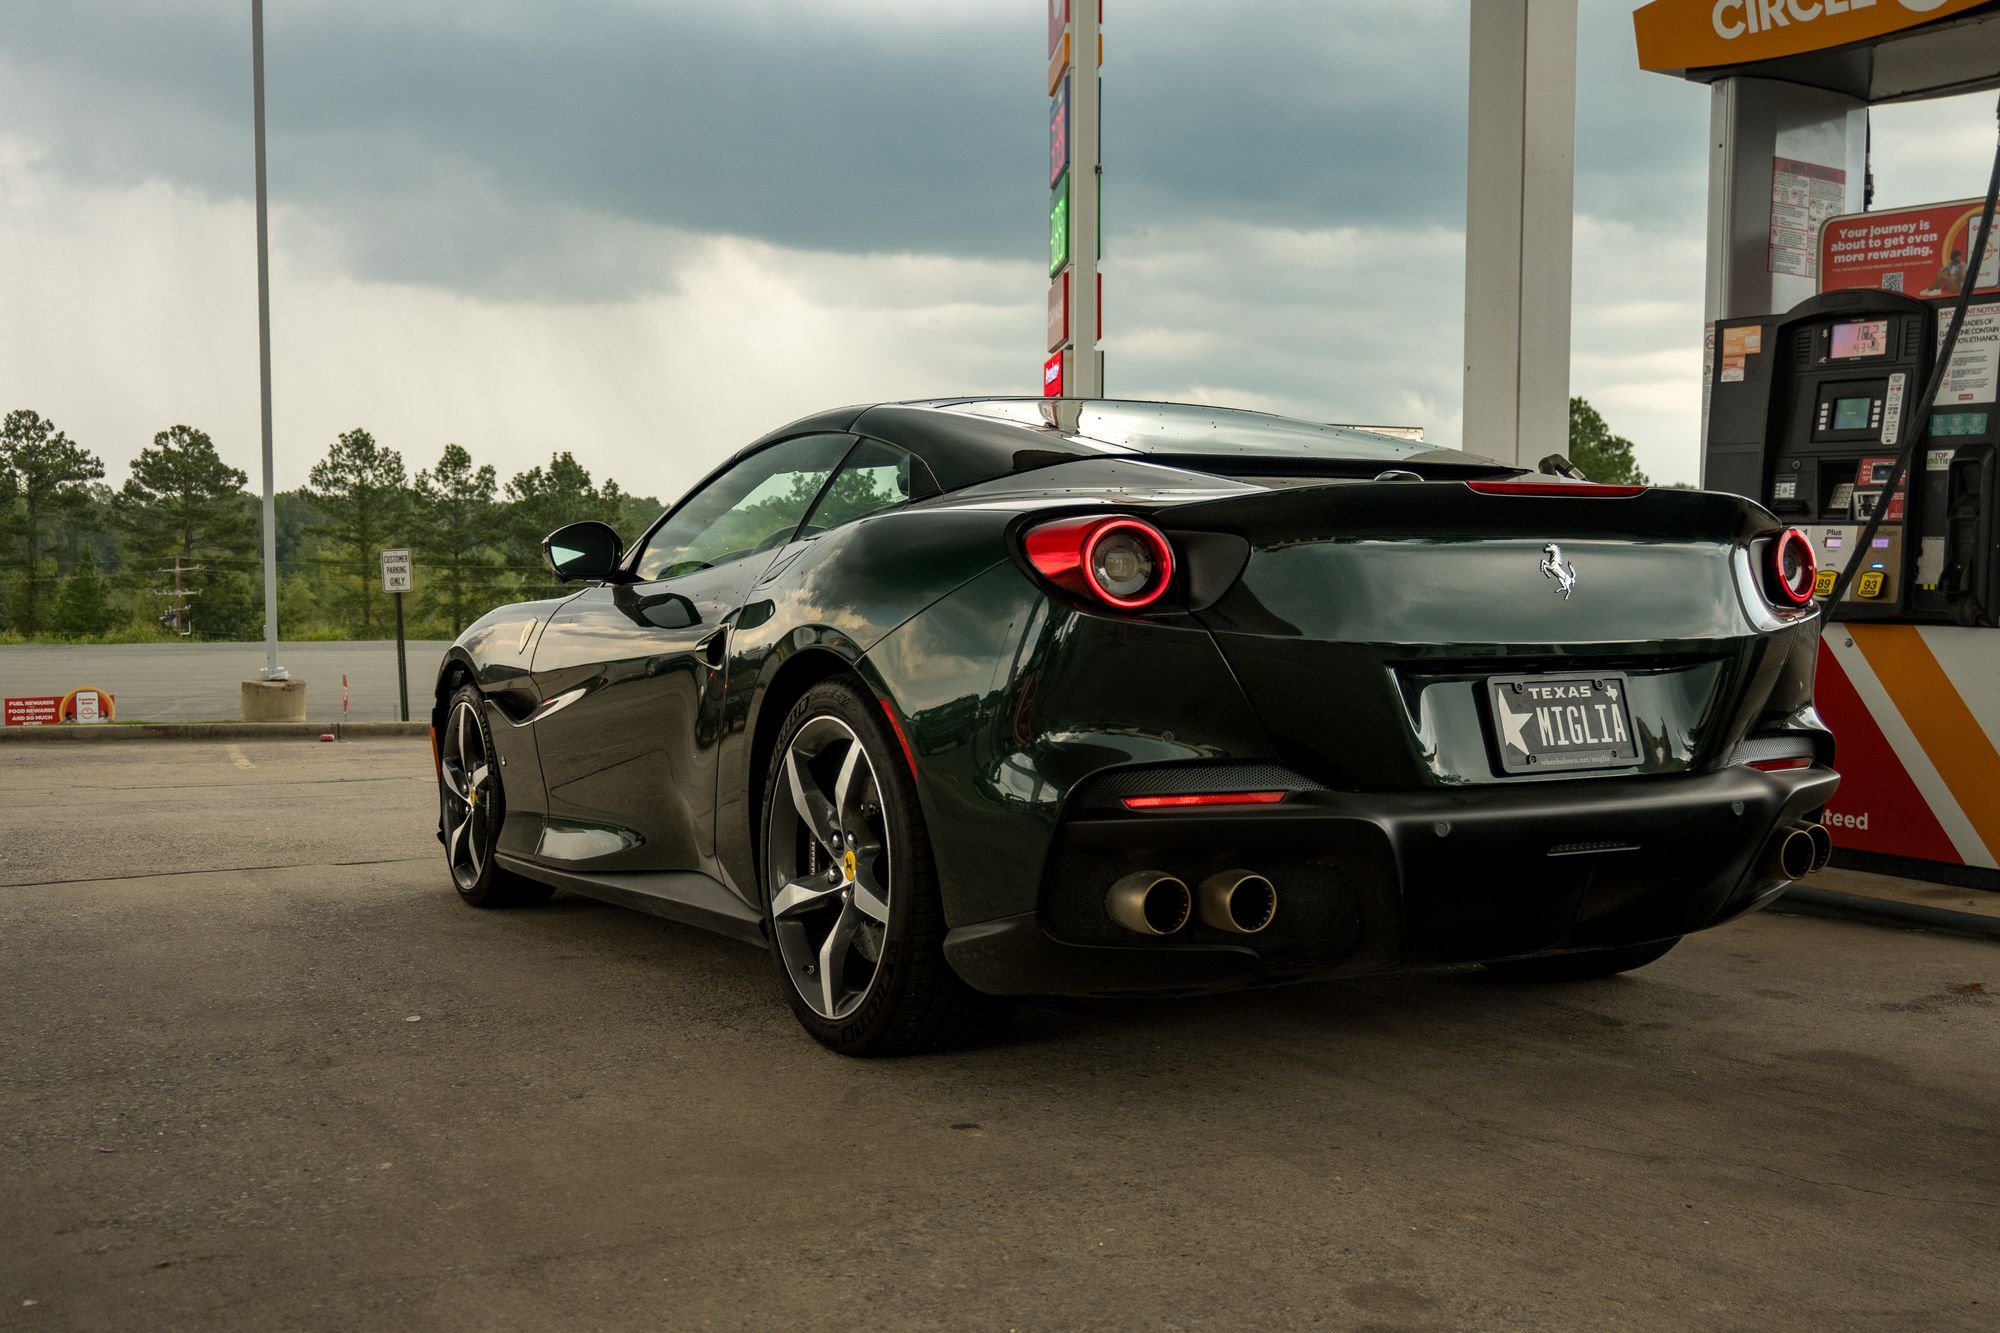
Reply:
x=396 y=580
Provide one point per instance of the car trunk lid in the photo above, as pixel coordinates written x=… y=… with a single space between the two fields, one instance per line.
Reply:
x=1368 y=616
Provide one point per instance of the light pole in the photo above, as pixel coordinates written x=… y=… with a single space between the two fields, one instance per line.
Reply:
x=272 y=671
x=274 y=696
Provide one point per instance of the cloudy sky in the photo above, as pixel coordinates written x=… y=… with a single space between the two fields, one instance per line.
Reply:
x=646 y=231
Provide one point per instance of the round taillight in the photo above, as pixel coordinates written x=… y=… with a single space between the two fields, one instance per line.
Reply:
x=1794 y=569
x=1128 y=563
x=1125 y=563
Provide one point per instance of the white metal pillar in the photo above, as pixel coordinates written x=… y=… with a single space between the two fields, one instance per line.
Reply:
x=1519 y=197
x=1758 y=128
x=1764 y=138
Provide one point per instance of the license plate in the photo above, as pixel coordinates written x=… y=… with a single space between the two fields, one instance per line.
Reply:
x=1546 y=724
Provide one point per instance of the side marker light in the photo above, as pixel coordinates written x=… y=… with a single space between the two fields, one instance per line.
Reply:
x=1203 y=799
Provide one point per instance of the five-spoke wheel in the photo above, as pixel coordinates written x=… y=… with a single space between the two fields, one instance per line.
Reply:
x=466 y=770
x=851 y=898
x=831 y=856
x=472 y=807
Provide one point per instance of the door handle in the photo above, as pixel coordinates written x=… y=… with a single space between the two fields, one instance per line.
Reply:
x=714 y=649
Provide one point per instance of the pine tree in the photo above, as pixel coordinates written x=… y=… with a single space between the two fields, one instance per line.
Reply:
x=49 y=478
x=84 y=610
x=363 y=493
x=458 y=536
x=183 y=503
x=541 y=500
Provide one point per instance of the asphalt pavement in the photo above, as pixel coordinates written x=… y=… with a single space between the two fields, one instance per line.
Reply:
x=262 y=1069
x=202 y=682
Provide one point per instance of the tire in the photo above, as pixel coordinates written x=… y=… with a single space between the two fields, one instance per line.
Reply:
x=472 y=808
x=857 y=936
x=1585 y=966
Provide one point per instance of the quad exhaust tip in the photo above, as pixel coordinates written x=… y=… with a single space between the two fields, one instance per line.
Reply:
x=1822 y=845
x=1238 y=901
x=1148 y=902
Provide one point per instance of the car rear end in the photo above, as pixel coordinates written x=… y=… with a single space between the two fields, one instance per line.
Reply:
x=1499 y=718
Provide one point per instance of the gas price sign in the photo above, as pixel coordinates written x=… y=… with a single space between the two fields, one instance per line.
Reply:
x=1076 y=219
x=1059 y=227
x=1059 y=134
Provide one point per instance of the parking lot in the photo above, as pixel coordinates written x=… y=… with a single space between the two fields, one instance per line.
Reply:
x=264 y=1070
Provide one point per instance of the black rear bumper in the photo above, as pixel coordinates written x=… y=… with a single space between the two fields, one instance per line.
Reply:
x=1373 y=881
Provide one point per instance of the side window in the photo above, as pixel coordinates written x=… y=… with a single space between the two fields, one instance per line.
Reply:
x=875 y=477
x=755 y=506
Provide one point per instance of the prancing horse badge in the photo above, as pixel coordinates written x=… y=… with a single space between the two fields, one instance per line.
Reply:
x=1553 y=567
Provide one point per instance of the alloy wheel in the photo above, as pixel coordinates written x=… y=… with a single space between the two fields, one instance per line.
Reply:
x=470 y=789
x=828 y=863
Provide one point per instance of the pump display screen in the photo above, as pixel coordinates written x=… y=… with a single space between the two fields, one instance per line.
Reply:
x=1862 y=337
x=1851 y=413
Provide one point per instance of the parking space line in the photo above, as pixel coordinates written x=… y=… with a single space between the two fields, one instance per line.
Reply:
x=237 y=757
x=210 y=870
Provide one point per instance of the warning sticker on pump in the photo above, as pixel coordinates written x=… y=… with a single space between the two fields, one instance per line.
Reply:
x=1975 y=362
x=1738 y=346
x=1892 y=414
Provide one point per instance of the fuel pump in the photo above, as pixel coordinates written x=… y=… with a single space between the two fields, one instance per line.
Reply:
x=1828 y=414
x=1807 y=416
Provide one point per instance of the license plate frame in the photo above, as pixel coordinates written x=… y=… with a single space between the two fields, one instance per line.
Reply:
x=1557 y=727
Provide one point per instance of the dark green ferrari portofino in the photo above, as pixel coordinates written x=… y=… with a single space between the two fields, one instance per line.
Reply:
x=951 y=702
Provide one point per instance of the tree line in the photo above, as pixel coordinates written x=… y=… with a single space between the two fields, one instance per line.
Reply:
x=177 y=550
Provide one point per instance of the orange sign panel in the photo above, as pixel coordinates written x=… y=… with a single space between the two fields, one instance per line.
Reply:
x=1676 y=35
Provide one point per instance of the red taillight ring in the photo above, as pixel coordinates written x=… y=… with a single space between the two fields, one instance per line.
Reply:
x=1163 y=556
x=1063 y=551
x=1799 y=596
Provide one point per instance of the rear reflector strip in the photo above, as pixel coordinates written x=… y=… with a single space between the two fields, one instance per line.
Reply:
x=909 y=756
x=1568 y=490
x=1204 y=798
x=1780 y=765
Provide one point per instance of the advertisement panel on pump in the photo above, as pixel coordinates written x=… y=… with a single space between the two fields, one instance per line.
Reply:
x=1919 y=252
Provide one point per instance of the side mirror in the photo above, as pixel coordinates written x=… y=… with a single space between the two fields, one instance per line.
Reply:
x=582 y=551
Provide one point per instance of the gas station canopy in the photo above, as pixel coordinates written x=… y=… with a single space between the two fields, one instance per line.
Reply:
x=1875 y=51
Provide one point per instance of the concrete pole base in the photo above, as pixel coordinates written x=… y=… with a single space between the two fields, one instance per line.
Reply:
x=274 y=701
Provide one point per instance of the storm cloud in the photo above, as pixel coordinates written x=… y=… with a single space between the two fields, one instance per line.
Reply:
x=600 y=226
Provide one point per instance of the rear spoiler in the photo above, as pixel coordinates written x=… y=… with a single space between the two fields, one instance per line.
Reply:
x=1473 y=510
